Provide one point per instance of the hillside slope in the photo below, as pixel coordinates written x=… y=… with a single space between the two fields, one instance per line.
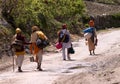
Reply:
x=95 y=9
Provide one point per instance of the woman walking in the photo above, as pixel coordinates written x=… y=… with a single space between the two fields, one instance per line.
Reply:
x=92 y=41
x=64 y=38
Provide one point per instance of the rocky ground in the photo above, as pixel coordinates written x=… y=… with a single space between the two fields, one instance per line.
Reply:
x=102 y=68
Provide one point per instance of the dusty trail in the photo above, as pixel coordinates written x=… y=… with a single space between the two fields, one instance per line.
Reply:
x=55 y=67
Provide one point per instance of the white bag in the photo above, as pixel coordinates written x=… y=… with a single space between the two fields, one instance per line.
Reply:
x=87 y=35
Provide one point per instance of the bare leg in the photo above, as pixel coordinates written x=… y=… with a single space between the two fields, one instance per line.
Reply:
x=39 y=55
x=90 y=52
x=94 y=52
x=39 y=67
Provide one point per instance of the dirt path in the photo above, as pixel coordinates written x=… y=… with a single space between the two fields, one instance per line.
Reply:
x=54 y=66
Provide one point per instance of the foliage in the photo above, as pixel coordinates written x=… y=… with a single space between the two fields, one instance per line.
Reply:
x=116 y=20
x=4 y=31
x=26 y=13
x=116 y=16
x=86 y=25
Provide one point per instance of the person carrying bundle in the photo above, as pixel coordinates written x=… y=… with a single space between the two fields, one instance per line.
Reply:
x=91 y=37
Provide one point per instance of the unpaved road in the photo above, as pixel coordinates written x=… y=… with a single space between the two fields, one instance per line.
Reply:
x=54 y=66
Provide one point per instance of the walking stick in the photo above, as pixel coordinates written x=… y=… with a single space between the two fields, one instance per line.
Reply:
x=13 y=63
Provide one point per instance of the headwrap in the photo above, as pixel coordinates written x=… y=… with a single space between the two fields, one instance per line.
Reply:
x=18 y=30
x=64 y=26
x=35 y=28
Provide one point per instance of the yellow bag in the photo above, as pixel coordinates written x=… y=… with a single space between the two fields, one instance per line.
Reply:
x=41 y=35
x=42 y=40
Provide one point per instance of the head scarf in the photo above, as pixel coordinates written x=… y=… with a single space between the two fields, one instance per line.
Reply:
x=18 y=30
x=64 y=26
x=35 y=28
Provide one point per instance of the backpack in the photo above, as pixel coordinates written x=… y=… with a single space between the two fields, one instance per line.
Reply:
x=17 y=44
x=64 y=37
x=41 y=41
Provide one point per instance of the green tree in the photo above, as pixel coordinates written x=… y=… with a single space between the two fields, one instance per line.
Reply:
x=48 y=14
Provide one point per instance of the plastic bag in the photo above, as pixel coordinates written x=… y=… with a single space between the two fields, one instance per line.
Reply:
x=58 y=45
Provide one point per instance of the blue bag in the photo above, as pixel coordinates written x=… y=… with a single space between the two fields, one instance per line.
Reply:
x=42 y=43
x=88 y=30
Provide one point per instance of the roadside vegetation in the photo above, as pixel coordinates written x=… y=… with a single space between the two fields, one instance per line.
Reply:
x=47 y=14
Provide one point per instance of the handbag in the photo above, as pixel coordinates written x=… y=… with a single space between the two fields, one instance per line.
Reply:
x=64 y=38
x=71 y=50
x=31 y=59
x=58 y=45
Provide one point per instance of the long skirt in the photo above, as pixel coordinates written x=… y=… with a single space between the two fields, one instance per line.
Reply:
x=91 y=45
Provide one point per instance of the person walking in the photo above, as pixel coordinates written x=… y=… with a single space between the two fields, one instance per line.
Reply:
x=38 y=52
x=19 y=50
x=92 y=41
x=64 y=38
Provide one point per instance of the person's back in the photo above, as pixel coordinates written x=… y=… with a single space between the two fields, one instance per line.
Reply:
x=22 y=39
x=33 y=37
x=19 y=52
x=65 y=44
x=38 y=52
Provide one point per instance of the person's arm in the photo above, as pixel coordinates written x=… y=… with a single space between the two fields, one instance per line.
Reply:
x=25 y=42
x=95 y=33
x=31 y=46
x=96 y=39
x=69 y=36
